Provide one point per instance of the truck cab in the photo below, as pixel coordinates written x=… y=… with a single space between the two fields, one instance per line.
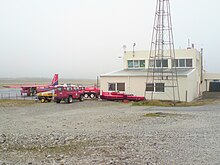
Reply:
x=68 y=93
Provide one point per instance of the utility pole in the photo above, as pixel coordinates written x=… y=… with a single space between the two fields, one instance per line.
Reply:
x=162 y=74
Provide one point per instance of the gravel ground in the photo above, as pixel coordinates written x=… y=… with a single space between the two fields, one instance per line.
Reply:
x=99 y=132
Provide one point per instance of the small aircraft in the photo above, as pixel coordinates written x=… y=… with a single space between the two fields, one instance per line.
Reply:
x=32 y=89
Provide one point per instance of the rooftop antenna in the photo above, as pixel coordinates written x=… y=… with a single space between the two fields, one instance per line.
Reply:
x=189 y=44
x=124 y=48
x=133 y=48
x=160 y=76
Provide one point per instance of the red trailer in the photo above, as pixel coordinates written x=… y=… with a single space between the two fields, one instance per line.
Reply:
x=121 y=96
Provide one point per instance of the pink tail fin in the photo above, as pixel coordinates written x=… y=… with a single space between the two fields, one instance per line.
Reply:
x=55 y=80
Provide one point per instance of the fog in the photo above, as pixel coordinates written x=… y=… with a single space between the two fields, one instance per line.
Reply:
x=83 y=39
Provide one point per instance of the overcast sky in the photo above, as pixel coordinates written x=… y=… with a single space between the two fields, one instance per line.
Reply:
x=84 y=38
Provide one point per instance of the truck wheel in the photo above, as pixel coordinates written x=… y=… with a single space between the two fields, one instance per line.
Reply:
x=57 y=101
x=70 y=99
x=92 y=96
x=42 y=100
x=86 y=95
x=81 y=98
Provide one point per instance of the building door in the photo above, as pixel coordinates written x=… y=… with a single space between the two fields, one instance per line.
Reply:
x=214 y=87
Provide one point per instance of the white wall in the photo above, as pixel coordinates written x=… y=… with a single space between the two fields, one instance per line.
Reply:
x=136 y=86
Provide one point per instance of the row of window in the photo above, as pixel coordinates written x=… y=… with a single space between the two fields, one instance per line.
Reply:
x=184 y=63
x=159 y=63
x=150 y=87
x=136 y=63
x=180 y=63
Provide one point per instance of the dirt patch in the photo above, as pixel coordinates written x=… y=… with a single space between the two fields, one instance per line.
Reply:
x=16 y=103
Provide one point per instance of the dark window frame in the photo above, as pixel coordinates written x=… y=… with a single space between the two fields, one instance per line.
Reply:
x=119 y=86
x=159 y=87
x=155 y=87
x=111 y=86
x=189 y=63
x=150 y=87
x=116 y=86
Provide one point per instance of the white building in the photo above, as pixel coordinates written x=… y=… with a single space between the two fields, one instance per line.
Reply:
x=132 y=79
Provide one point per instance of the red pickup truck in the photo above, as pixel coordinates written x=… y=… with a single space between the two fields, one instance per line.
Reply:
x=68 y=93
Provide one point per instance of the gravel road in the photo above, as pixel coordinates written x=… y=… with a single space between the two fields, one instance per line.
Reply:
x=99 y=132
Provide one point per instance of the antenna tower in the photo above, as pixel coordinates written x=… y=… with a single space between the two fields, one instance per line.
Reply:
x=162 y=73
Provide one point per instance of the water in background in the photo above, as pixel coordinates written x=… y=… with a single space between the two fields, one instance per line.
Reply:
x=9 y=93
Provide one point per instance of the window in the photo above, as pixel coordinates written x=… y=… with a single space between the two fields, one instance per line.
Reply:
x=69 y=88
x=182 y=63
x=188 y=62
x=157 y=87
x=116 y=87
x=165 y=63
x=142 y=63
x=151 y=63
x=159 y=63
x=175 y=63
x=150 y=87
x=111 y=86
x=59 y=89
x=120 y=86
x=136 y=63
x=130 y=63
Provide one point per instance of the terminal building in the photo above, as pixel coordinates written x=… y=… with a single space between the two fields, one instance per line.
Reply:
x=132 y=79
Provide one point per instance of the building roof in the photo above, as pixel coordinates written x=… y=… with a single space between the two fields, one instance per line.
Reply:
x=143 y=72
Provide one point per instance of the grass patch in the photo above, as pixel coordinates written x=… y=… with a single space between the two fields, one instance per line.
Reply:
x=160 y=114
x=162 y=103
x=15 y=103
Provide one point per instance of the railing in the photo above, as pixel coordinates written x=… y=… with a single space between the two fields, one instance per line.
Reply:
x=15 y=96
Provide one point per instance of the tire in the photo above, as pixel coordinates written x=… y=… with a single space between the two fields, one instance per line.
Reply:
x=70 y=99
x=86 y=95
x=58 y=101
x=92 y=96
x=42 y=100
x=81 y=98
